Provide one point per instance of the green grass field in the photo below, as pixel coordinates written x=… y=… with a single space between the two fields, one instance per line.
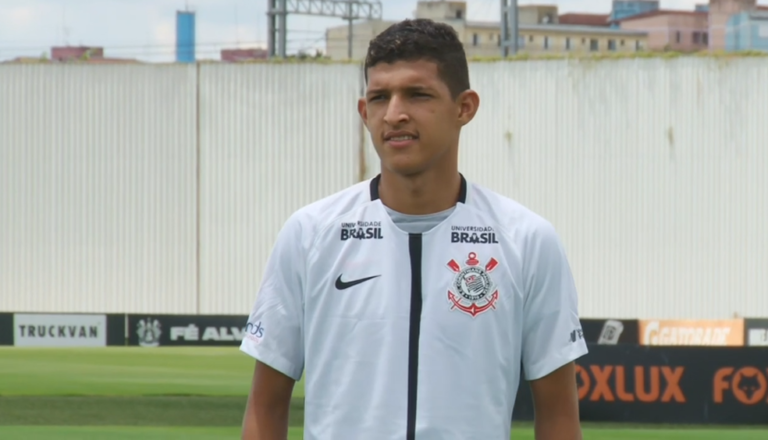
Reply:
x=181 y=393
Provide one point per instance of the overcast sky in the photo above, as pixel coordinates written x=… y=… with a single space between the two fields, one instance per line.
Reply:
x=144 y=29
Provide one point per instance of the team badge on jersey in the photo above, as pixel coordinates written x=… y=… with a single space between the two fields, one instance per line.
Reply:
x=473 y=291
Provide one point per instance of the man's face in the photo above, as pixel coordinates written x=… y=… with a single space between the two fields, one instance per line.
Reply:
x=412 y=118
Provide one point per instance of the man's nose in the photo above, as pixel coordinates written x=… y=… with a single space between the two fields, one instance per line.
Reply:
x=396 y=112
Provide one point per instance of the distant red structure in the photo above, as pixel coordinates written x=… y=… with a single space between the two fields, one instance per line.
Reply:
x=76 y=53
x=584 y=19
x=235 y=55
x=85 y=54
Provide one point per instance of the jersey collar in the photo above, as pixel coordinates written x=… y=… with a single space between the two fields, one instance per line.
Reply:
x=462 y=190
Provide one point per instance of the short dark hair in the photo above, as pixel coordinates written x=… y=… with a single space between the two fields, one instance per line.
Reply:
x=423 y=39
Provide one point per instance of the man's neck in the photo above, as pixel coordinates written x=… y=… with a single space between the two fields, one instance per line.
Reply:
x=423 y=194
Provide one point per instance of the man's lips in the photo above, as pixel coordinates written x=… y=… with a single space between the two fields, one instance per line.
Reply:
x=400 y=139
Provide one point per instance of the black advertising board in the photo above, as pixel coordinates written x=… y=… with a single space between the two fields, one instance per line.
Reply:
x=756 y=332
x=6 y=328
x=186 y=330
x=686 y=385
x=116 y=329
x=611 y=331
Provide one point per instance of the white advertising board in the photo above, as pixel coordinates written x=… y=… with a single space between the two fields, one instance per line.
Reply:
x=49 y=330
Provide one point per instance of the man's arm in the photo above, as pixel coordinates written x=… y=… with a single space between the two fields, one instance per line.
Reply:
x=274 y=337
x=556 y=405
x=552 y=338
x=266 y=412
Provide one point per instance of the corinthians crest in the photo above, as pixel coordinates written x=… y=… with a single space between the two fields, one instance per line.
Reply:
x=473 y=291
x=149 y=332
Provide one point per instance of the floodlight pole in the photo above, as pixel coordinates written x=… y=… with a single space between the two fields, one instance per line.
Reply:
x=350 y=10
x=509 y=28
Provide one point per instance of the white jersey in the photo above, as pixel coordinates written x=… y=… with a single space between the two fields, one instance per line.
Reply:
x=415 y=336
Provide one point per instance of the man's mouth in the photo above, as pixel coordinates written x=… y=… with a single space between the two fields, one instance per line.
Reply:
x=399 y=136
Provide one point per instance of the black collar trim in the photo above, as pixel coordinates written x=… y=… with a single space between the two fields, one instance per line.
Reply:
x=375 y=189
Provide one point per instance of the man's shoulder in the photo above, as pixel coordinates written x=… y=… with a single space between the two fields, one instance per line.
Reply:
x=508 y=213
x=315 y=216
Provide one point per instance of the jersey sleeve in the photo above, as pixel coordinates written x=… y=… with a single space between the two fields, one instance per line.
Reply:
x=274 y=333
x=552 y=334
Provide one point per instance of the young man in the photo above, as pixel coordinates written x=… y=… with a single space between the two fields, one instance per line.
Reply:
x=412 y=299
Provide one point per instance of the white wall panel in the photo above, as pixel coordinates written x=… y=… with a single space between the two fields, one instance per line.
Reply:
x=273 y=138
x=652 y=170
x=97 y=188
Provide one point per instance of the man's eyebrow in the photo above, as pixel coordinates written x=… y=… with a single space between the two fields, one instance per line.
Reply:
x=375 y=92
x=417 y=88
x=410 y=89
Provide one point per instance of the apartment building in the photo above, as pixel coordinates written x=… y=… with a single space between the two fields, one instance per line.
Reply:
x=540 y=31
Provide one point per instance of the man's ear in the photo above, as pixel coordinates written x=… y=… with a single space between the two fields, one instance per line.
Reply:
x=362 y=109
x=469 y=102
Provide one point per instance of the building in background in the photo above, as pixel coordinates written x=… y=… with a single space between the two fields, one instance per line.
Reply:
x=574 y=18
x=336 y=41
x=747 y=30
x=185 y=37
x=720 y=12
x=556 y=39
x=452 y=12
x=537 y=14
x=236 y=55
x=682 y=31
x=540 y=31
x=701 y=7
x=621 y=9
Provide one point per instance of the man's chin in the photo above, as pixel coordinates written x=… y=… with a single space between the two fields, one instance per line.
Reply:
x=404 y=169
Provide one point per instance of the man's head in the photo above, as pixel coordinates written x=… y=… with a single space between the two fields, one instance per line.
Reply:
x=418 y=95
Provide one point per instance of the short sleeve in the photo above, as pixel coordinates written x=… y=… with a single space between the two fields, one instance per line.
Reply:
x=274 y=333
x=552 y=334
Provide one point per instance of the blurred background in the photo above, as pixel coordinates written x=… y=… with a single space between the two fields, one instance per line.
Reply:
x=151 y=150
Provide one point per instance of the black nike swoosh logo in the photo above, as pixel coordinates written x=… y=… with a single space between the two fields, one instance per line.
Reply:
x=341 y=285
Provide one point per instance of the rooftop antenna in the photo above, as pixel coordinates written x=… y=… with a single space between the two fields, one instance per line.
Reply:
x=64 y=27
x=237 y=28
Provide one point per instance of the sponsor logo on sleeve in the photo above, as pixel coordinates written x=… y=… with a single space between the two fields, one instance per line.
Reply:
x=255 y=332
x=576 y=335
